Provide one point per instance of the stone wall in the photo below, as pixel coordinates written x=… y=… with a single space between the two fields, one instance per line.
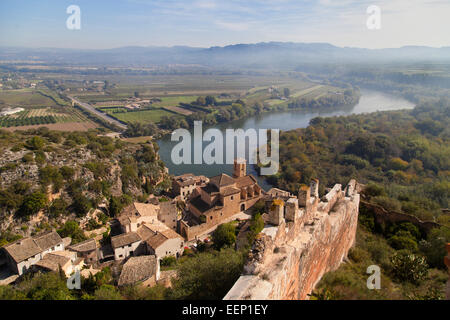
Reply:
x=288 y=260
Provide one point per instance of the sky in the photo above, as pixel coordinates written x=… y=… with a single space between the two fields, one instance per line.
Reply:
x=205 y=23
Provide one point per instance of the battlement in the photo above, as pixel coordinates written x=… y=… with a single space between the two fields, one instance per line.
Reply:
x=301 y=241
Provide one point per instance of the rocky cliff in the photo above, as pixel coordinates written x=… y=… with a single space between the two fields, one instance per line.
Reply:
x=287 y=260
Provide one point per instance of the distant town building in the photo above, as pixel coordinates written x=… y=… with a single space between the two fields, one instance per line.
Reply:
x=9 y=111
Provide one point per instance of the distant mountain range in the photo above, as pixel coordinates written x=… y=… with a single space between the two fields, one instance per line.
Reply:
x=244 y=55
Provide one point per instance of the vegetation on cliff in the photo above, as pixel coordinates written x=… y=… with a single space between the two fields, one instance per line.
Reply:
x=66 y=176
x=403 y=158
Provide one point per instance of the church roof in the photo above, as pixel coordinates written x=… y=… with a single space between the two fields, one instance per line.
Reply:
x=222 y=180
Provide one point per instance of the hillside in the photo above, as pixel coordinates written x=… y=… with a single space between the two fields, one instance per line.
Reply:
x=49 y=178
x=403 y=158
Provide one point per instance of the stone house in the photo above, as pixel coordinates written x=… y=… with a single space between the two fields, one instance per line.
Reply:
x=66 y=260
x=87 y=250
x=160 y=240
x=127 y=244
x=23 y=253
x=137 y=214
x=184 y=185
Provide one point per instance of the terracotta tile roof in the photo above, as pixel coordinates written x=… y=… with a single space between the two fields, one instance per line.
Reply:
x=159 y=227
x=48 y=240
x=230 y=191
x=25 y=248
x=201 y=205
x=85 y=246
x=53 y=261
x=146 y=209
x=222 y=180
x=22 y=249
x=245 y=181
x=124 y=239
x=136 y=210
x=137 y=269
x=156 y=240
x=144 y=232
x=168 y=207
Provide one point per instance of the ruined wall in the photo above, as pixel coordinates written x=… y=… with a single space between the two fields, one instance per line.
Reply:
x=287 y=261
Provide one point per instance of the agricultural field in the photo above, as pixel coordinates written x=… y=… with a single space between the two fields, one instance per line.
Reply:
x=142 y=116
x=44 y=116
x=24 y=98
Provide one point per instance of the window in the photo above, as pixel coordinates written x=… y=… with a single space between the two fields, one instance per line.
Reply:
x=232 y=197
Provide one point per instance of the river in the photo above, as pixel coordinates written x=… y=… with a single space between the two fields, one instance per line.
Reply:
x=370 y=101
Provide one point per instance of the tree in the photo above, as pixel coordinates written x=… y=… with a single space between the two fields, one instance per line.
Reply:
x=81 y=204
x=287 y=92
x=208 y=275
x=136 y=94
x=33 y=203
x=224 y=235
x=72 y=229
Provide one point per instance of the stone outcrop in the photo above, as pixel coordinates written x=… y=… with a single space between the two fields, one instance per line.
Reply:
x=287 y=260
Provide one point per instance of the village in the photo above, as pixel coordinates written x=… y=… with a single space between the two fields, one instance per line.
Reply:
x=144 y=234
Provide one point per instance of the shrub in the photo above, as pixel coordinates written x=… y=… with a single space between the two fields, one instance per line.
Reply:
x=403 y=240
x=409 y=267
x=168 y=261
x=35 y=143
x=387 y=203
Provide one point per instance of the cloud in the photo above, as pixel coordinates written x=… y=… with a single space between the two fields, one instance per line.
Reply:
x=205 y=4
x=233 y=26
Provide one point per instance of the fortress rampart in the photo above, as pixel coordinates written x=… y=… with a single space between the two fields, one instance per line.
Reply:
x=304 y=237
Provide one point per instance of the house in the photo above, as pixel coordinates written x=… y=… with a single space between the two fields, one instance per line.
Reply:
x=143 y=269
x=127 y=244
x=136 y=214
x=160 y=240
x=87 y=250
x=67 y=261
x=184 y=185
x=221 y=198
x=23 y=253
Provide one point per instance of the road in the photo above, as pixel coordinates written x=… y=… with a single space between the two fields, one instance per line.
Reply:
x=99 y=114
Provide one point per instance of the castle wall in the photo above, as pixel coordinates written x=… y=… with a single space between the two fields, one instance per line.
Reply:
x=287 y=261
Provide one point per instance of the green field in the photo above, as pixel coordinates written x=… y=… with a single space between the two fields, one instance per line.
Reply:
x=145 y=116
x=25 y=98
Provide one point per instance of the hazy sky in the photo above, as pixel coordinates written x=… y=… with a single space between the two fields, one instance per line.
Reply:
x=204 y=23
